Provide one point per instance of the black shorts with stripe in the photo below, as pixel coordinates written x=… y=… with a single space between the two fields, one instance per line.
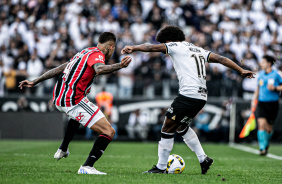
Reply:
x=183 y=109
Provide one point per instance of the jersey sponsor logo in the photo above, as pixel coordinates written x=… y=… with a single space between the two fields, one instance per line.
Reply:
x=203 y=90
x=172 y=44
x=188 y=44
x=186 y=120
x=79 y=117
x=100 y=58
x=170 y=110
x=194 y=49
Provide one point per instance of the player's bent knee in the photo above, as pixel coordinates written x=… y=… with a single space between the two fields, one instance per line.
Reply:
x=109 y=131
x=113 y=132
x=169 y=126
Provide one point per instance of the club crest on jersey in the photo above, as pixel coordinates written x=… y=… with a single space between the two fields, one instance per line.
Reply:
x=79 y=117
x=261 y=82
x=100 y=58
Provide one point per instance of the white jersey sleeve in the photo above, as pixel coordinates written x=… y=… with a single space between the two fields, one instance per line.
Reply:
x=171 y=48
x=206 y=54
x=189 y=64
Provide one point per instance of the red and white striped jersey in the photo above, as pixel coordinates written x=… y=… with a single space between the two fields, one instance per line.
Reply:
x=74 y=83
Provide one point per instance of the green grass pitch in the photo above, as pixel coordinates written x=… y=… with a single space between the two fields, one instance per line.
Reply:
x=32 y=162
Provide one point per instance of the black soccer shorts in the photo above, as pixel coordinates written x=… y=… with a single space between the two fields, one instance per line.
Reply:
x=184 y=109
x=268 y=110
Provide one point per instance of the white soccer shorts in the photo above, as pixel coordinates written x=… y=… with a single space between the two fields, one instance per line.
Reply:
x=85 y=112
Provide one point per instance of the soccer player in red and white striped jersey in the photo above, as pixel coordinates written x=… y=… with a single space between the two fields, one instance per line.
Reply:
x=77 y=77
x=70 y=92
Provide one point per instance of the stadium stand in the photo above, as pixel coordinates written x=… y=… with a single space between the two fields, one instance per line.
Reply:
x=38 y=35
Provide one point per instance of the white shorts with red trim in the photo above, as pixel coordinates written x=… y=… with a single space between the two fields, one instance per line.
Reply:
x=85 y=112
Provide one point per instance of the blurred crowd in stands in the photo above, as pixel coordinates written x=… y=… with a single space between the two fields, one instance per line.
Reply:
x=38 y=35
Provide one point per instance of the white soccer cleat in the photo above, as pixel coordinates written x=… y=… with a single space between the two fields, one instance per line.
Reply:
x=89 y=170
x=61 y=154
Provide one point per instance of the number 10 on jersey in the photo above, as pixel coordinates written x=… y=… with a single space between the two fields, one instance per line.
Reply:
x=200 y=62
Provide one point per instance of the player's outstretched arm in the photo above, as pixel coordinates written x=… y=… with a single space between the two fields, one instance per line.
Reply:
x=144 y=48
x=215 y=58
x=47 y=75
x=101 y=69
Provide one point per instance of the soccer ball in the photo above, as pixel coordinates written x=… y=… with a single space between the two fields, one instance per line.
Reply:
x=175 y=164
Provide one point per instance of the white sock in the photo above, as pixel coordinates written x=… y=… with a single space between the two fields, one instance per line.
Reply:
x=192 y=141
x=165 y=147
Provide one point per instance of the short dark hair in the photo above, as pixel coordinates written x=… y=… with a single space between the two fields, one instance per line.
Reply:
x=107 y=36
x=269 y=59
x=170 y=33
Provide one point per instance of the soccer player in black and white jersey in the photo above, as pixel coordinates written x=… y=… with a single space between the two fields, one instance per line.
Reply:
x=189 y=64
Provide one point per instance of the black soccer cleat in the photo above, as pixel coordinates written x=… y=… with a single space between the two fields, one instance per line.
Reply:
x=155 y=170
x=205 y=165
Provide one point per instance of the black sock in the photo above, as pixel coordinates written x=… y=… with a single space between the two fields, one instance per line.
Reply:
x=69 y=134
x=98 y=149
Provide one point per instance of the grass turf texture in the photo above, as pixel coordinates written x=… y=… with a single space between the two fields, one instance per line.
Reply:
x=32 y=162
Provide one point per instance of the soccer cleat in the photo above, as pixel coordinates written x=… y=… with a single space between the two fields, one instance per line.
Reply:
x=205 y=165
x=61 y=154
x=89 y=170
x=262 y=152
x=155 y=170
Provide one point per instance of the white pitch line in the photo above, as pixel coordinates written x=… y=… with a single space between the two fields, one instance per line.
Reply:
x=252 y=150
